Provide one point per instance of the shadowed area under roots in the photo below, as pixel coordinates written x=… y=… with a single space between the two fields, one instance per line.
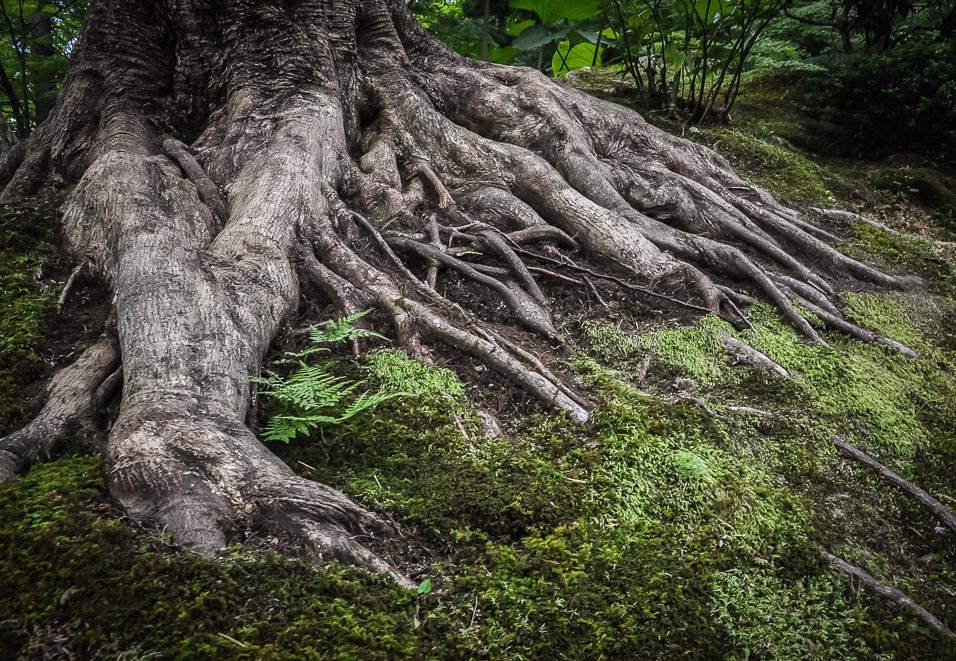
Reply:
x=342 y=144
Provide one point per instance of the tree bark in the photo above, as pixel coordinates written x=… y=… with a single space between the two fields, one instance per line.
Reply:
x=221 y=148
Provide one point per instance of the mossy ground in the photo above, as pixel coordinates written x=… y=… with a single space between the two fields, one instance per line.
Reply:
x=655 y=531
x=25 y=243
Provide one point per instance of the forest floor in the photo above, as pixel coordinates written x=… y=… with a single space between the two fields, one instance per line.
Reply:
x=687 y=519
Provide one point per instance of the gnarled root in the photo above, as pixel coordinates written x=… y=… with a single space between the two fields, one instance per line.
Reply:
x=887 y=592
x=74 y=396
x=192 y=467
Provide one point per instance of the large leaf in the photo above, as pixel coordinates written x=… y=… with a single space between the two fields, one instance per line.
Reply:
x=569 y=58
x=607 y=36
x=540 y=35
x=551 y=11
x=517 y=28
x=505 y=55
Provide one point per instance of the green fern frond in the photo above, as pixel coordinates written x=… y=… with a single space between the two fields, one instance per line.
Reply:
x=369 y=400
x=340 y=330
x=310 y=396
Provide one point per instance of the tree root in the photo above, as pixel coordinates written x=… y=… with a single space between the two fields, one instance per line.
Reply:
x=896 y=596
x=947 y=518
x=373 y=131
x=750 y=356
x=205 y=474
x=74 y=396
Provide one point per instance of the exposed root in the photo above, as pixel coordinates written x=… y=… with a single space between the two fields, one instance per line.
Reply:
x=947 y=518
x=535 y=317
x=72 y=402
x=413 y=318
x=205 y=475
x=896 y=596
x=75 y=275
x=208 y=191
x=750 y=356
x=370 y=129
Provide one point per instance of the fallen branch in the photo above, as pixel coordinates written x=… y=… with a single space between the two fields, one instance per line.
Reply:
x=74 y=276
x=849 y=216
x=750 y=356
x=611 y=278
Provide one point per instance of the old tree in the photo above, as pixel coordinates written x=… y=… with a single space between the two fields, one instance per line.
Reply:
x=226 y=155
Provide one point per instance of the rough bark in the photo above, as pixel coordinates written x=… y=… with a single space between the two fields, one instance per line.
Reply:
x=73 y=398
x=222 y=149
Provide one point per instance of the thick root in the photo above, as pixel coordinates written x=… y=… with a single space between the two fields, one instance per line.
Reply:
x=191 y=467
x=362 y=164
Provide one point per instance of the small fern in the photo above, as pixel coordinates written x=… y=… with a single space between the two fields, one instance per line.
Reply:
x=310 y=397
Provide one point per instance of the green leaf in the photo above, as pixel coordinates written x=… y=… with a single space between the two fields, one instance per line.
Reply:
x=505 y=55
x=517 y=28
x=425 y=586
x=551 y=11
x=339 y=330
x=570 y=59
x=539 y=35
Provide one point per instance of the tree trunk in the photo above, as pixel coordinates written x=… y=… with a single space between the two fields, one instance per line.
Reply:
x=222 y=149
x=44 y=87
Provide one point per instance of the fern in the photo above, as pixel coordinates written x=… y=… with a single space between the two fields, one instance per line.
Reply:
x=310 y=397
x=340 y=330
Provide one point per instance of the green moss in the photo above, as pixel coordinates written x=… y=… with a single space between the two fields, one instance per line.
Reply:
x=656 y=531
x=397 y=372
x=580 y=592
x=765 y=160
x=774 y=618
x=412 y=458
x=24 y=311
x=67 y=572
x=774 y=487
x=894 y=249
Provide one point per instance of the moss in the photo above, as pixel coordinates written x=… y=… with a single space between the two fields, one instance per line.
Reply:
x=792 y=490
x=397 y=372
x=24 y=311
x=412 y=458
x=774 y=618
x=657 y=531
x=579 y=592
x=69 y=572
x=772 y=163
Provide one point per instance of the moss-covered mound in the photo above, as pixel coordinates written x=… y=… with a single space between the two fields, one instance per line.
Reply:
x=25 y=242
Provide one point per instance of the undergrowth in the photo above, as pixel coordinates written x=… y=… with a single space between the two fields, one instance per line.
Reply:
x=309 y=397
x=658 y=531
